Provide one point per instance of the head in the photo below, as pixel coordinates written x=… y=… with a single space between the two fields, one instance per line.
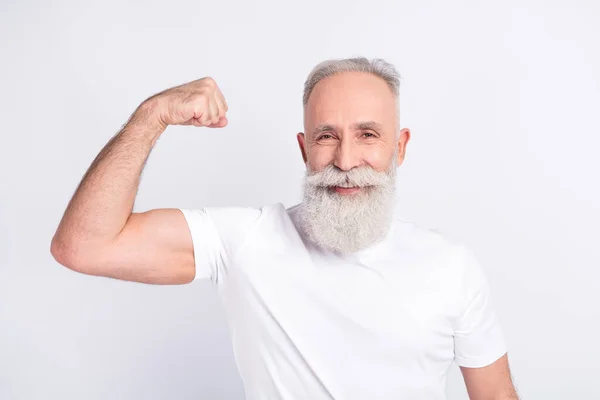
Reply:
x=351 y=145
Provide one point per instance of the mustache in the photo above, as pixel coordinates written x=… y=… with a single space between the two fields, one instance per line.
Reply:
x=363 y=176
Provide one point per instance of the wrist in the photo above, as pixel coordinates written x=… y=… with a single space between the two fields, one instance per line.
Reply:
x=146 y=122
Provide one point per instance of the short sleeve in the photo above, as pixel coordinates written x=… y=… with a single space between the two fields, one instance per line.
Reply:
x=478 y=338
x=217 y=233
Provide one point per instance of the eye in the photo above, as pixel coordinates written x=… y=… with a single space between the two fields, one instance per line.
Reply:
x=369 y=135
x=325 y=136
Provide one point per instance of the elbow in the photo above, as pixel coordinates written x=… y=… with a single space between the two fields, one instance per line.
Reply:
x=63 y=251
x=60 y=251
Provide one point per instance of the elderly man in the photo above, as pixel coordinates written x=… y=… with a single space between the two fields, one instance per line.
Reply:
x=335 y=298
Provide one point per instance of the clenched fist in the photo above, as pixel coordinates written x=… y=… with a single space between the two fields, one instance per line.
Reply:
x=198 y=103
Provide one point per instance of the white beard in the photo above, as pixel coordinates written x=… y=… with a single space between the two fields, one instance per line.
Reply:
x=348 y=223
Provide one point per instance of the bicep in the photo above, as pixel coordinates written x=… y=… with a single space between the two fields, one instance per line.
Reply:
x=174 y=246
x=479 y=346
x=478 y=337
x=153 y=247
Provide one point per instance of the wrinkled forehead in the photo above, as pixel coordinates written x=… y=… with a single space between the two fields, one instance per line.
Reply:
x=349 y=98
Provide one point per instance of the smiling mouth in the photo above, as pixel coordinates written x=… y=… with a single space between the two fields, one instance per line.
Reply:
x=346 y=190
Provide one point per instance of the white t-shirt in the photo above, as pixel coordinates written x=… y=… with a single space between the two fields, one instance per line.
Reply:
x=384 y=323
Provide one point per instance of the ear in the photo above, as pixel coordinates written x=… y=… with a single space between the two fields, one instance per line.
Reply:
x=300 y=137
x=402 y=142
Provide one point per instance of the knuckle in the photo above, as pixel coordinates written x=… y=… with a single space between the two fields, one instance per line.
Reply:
x=200 y=101
x=201 y=97
x=209 y=81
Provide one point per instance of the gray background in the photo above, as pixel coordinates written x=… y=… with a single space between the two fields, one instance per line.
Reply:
x=503 y=101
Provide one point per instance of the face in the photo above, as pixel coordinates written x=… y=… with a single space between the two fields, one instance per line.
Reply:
x=351 y=147
x=351 y=121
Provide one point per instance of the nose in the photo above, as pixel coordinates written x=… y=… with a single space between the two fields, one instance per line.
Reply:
x=347 y=155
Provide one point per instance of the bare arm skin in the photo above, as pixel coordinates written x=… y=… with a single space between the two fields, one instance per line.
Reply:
x=99 y=234
x=492 y=382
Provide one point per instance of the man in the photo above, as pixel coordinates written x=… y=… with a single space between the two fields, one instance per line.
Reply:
x=336 y=298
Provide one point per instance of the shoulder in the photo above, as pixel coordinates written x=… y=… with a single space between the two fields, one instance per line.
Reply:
x=418 y=237
x=443 y=258
x=435 y=246
x=236 y=213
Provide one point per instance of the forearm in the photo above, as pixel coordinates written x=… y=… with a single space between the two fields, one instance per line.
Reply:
x=509 y=393
x=104 y=199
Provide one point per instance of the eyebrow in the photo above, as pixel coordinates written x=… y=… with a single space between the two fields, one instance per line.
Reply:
x=356 y=127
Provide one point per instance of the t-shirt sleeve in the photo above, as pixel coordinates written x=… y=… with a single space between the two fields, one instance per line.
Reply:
x=478 y=338
x=217 y=233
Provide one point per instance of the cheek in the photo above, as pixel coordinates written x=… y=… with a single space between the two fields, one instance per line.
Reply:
x=378 y=157
x=320 y=157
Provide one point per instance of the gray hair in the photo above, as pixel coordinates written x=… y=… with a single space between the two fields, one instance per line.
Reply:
x=376 y=66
